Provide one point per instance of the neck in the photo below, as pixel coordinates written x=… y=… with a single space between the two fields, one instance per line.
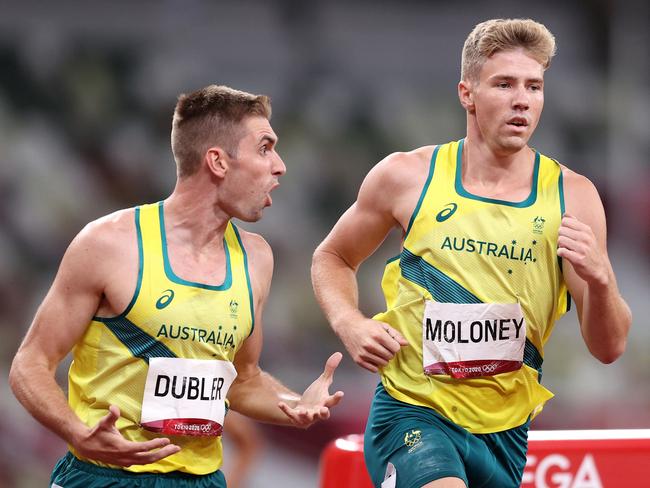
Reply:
x=193 y=216
x=491 y=164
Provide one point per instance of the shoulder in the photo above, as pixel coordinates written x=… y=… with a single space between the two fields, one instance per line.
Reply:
x=399 y=168
x=399 y=173
x=255 y=246
x=582 y=199
x=100 y=246
x=578 y=189
x=260 y=256
x=110 y=232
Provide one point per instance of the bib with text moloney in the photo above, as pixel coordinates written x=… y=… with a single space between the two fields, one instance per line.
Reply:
x=466 y=340
x=186 y=396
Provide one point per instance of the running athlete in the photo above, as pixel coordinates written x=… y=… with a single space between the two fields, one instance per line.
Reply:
x=496 y=238
x=161 y=306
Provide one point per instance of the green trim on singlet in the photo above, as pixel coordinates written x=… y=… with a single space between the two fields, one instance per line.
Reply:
x=533 y=358
x=532 y=197
x=141 y=344
x=560 y=187
x=140 y=270
x=444 y=289
x=248 y=278
x=432 y=166
x=394 y=258
x=227 y=282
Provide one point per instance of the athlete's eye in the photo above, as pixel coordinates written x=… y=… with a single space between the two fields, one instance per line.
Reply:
x=503 y=84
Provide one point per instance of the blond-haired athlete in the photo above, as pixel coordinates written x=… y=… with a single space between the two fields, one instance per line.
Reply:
x=161 y=306
x=494 y=236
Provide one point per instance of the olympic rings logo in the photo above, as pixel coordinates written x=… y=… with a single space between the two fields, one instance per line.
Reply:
x=489 y=368
x=206 y=427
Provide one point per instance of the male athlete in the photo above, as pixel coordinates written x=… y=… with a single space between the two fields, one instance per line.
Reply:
x=494 y=236
x=161 y=306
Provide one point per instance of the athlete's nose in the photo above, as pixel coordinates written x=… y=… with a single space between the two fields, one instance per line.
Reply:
x=521 y=100
x=278 y=167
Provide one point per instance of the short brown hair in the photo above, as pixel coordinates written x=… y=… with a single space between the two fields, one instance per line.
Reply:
x=502 y=34
x=210 y=116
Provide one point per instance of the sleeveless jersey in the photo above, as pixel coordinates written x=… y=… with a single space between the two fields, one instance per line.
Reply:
x=462 y=248
x=168 y=317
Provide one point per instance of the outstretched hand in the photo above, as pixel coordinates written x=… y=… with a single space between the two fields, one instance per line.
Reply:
x=105 y=443
x=316 y=401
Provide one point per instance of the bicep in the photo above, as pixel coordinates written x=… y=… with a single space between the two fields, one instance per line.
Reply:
x=246 y=363
x=583 y=202
x=362 y=228
x=261 y=272
x=66 y=310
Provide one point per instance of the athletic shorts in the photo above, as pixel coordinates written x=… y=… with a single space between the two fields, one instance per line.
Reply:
x=70 y=472
x=423 y=446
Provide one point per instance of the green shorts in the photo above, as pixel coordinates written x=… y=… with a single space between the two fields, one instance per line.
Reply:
x=423 y=446
x=70 y=472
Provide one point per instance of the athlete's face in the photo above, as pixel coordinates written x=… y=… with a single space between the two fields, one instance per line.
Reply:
x=254 y=171
x=507 y=101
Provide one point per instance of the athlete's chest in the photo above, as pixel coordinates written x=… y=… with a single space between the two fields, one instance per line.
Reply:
x=461 y=230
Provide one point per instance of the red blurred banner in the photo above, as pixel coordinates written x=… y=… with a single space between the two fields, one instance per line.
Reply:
x=556 y=459
x=588 y=459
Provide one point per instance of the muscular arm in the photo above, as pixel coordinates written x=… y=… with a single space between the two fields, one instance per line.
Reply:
x=258 y=394
x=604 y=316
x=386 y=200
x=60 y=322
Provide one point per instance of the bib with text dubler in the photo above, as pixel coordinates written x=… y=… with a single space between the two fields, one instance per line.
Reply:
x=466 y=340
x=186 y=396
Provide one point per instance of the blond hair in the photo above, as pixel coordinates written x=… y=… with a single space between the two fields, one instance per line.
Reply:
x=210 y=117
x=496 y=35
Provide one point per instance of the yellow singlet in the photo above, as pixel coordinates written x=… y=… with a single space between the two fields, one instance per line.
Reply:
x=167 y=317
x=462 y=248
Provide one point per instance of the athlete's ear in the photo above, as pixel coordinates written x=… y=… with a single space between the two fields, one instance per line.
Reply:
x=216 y=159
x=466 y=95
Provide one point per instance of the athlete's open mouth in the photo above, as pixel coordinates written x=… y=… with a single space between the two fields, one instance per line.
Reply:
x=518 y=122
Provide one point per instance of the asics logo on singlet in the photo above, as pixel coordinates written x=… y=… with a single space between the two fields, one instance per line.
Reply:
x=165 y=299
x=446 y=212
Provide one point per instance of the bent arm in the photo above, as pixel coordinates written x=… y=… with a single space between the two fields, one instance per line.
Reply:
x=385 y=201
x=357 y=234
x=59 y=323
x=605 y=318
x=256 y=393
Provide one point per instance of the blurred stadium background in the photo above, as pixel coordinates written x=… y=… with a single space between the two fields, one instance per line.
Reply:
x=87 y=91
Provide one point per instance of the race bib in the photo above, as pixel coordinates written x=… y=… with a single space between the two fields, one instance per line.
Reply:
x=186 y=396
x=466 y=340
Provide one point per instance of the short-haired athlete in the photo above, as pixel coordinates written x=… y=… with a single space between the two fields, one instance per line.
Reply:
x=161 y=306
x=494 y=236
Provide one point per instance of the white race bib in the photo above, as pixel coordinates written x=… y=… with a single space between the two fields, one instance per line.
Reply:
x=186 y=396
x=465 y=340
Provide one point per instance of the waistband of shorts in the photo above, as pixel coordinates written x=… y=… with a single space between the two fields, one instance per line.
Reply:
x=121 y=473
